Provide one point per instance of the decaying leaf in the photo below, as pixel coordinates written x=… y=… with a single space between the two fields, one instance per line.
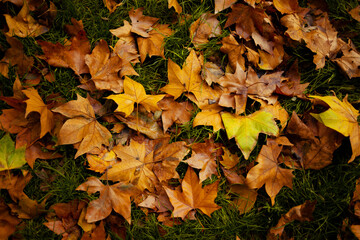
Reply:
x=8 y=222
x=301 y=213
x=115 y=197
x=205 y=27
x=269 y=172
x=135 y=166
x=193 y=196
x=24 y=25
x=83 y=127
x=104 y=68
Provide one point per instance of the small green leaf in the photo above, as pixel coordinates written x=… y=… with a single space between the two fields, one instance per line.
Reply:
x=10 y=157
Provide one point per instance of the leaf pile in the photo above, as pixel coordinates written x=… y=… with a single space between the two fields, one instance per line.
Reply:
x=131 y=135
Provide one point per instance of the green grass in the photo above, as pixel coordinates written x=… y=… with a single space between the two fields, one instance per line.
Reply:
x=332 y=187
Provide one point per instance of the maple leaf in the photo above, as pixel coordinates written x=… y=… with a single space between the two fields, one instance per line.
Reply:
x=82 y=127
x=10 y=158
x=104 y=68
x=135 y=93
x=36 y=104
x=205 y=27
x=24 y=25
x=141 y=24
x=193 y=196
x=300 y=213
x=247 y=19
x=234 y=50
x=167 y=158
x=349 y=61
x=269 y=172
x=342 y=117
x=135 y=166
x=15 y=56
x=115 y=197
x=204 y=157
x=209 y=115
x=72 y=56
x=187 y=79
x=173 y=111
x=154 y=44
x=355 y=13
x=246 y=129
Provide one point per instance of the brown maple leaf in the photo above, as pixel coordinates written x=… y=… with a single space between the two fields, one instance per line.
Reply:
x=15 y=56
x=72 y=56
x=193 y=196
x=204 y=157
x=115 y=197
x=154 y=44
x=104 y=68
x=269 y=172
x=24 y=25
x=234 y=50
x=207 y=26
x=141 y=24
x=223 y=4
x=174 y=112
x=83 y=127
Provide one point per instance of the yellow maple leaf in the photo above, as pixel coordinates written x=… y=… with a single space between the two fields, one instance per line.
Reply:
x=135 y=93
x=342 y=117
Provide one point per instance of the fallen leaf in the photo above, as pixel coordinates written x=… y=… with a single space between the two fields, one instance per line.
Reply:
x=234 y=50
x=187 y=79
x=207 y=26
x=269 y=172
x=174 y=112
x=15 y=56
x=72 y=56
x=10 y=158
x=193 y=196
x=246 y=129
x=349 y=61
x=83 y=127
x=135 y=93
x=211 y=72
x=141 y=24
x=24 y=25
x=135 y=166
x=204 y=157
x=27 y=208
x=342 y=117
x=104 y=68
x=36 y=151
x=300 y=213
x=116 y=196
x=154 y=44
x=36 y=104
